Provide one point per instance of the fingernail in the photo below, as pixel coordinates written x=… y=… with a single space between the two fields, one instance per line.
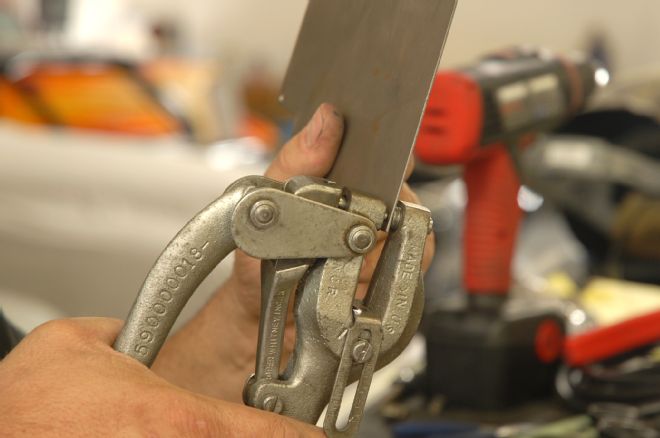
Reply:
x=314 y=129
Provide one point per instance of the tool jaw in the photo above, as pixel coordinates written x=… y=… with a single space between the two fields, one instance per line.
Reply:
x=340 y=338
x=312 y=236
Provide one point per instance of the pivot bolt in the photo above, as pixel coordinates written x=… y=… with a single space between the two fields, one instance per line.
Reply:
x=361 y=239
x=272 y=403
x=362 y=351
x=397 y=216
x=263 y=214
x=246 y=389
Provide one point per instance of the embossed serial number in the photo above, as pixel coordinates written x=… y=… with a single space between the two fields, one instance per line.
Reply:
x=166 y=295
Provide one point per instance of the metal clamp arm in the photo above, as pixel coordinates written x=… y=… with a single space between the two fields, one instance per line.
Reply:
x=254 y=214
x=339 y=339
x=186 y=261
x=312 y=237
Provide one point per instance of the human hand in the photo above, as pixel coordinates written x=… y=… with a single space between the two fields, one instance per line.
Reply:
x=64 y=379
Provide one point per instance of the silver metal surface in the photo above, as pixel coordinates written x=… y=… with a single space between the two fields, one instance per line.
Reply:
x=335 y=343
x=316 y=189
x=306 y=384
x=263 y=214
x=304 y=229
x=397 y=276
x=375 y=61
x=560 y=165
x=273 y=404
x=279 y=280
x=333 y=303
x=365 y=330
x=361 y=239
x=591 y=159
x=362 y=351
x=184 y=263
x=371 y=208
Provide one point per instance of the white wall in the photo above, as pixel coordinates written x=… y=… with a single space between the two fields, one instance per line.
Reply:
x=245 y=30
x=631 y=27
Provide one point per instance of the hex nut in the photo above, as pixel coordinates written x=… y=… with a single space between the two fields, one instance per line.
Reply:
x=361 y=239
x=264 y=213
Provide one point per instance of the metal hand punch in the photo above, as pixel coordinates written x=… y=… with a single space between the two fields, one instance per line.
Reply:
x=312 y=237
x=312 y=234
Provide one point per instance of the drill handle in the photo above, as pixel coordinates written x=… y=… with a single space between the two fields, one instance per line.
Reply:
x=492 y=219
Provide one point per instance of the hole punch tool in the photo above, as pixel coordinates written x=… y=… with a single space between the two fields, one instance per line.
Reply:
x=375 y=61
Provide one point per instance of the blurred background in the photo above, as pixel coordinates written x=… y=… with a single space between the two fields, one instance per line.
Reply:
x=120 y=119
x=97 y=95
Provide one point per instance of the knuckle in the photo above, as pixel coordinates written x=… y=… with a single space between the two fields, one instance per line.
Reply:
x=279 y=427
x=179 y=416
x=58 y=331
x=186 y=418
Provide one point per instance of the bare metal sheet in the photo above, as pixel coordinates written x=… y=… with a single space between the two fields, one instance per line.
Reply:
x=375 y=60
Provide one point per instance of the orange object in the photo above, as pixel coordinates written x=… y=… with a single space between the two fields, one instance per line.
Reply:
x=16 y=105
x=91 y=95
x=261 y=128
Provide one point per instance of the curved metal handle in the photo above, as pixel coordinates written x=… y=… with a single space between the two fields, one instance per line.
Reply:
x=191 y=255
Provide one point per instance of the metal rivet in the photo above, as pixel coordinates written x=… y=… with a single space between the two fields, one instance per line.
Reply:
x=272 y=403
x=361 y=239
x=343 y=202
x=397 y=216
x=263 y=214
x=362 y=351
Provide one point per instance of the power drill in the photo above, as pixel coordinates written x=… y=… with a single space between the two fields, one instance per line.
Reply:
x=481 y=356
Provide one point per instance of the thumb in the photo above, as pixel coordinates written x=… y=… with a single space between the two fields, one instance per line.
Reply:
x=312 y=151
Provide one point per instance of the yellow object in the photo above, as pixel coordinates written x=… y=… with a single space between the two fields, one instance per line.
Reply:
x=560 y=284
x=611 y=301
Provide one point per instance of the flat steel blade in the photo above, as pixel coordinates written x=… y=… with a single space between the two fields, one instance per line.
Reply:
x=375 y=60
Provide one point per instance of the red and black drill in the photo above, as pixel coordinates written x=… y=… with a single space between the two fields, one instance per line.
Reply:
x=481 y=356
